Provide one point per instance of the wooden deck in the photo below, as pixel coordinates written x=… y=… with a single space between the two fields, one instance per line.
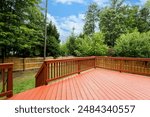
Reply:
x=96 y=84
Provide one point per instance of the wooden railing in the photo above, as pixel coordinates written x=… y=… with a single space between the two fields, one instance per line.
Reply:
x=6 y=80
x=55 y=69
x=124 y=64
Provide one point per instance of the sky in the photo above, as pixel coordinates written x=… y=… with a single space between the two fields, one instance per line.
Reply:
x=66 y=14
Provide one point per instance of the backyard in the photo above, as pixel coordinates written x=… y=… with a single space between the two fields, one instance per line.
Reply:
x=22 y=81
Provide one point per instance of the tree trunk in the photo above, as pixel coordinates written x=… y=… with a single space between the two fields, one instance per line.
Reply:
x=3 y=54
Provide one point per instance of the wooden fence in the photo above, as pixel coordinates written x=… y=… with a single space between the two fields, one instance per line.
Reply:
x=54 y=69
x=6 y=80
x=21 y=64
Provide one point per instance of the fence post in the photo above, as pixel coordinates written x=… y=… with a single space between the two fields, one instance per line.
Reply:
x=23 y=64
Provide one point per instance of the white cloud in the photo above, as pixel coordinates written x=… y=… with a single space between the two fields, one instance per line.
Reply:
x=142 y=2
x=51 y=18
x=69 y=1
x=66 y=24
x=73 y=21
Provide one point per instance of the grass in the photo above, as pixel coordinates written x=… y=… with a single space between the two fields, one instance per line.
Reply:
x=23 y=81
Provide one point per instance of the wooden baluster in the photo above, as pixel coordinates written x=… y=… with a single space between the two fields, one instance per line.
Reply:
x=66 y=68
x=3 y=80
x=48 y=71
x=145 y=67
x=78 y=67
x=51 y=72
x=94 y=60
x=67 y=72
x=120 y=69
x=57 y=69
x=63 y=68
x=60 y=69
x=54 y=70
x=46 y=74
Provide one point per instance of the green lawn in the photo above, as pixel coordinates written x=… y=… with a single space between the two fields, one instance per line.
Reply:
x=23 y=81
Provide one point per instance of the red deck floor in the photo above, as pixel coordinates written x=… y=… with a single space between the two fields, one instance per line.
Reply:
x=96 y=84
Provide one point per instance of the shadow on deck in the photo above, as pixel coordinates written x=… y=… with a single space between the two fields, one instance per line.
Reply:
x=96 y=84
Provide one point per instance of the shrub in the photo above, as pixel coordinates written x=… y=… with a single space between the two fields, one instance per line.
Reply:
x=133 y=45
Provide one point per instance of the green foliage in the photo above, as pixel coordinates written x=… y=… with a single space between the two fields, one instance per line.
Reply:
x=71 y=45
x=21 y=27
x=93 y=45
x=115 y=4
x=84 y=46
x=91 y=18
x=53 y=47
x=143 y=23
x=147 y=4
x=114 y=22
x=133 y=45
x=63 y=49
x=98 y=46
x=22 y=23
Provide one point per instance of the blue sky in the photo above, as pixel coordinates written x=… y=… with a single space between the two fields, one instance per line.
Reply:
x=67 y=14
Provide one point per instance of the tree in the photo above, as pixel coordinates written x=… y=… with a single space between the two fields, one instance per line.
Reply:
x=147 y=4
x=98 y=46
x=143 y=23
x=134 y=44
x=53 y=48
x=84 y=46
x=114 y=22
x=91 y=18
x=71 y=45
x=89 y=46
x=116 y=4
x=63 y=49
x=20 y=23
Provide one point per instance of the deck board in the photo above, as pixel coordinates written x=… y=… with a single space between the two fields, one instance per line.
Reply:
x=73 y=92
x=96 y=84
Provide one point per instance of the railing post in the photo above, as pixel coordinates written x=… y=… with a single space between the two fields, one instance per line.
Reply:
x=95 y=62
x=46 y=74
x=78 y=66
x=42 y=75
x=10 y=82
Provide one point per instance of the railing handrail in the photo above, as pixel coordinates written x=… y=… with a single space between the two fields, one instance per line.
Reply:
x=5 y=65
x=125 y=58
x=68 y=59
